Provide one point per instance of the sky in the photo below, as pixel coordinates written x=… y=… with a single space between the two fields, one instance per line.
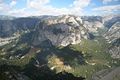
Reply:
x=25 y=8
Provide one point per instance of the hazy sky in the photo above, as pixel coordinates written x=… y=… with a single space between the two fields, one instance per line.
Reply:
x=58 y=7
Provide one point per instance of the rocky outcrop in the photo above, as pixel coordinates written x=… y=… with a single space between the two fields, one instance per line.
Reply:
x=93 y=23
x=62 y=31
x=110 y=20
x=113 y=33
x=115 y=49
x=113 y=37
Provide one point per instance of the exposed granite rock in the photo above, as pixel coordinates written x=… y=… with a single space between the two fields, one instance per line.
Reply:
x=113 y=33
x=62 y=31
x=93 y=26
x=93 y=23
x=113 y=37
x=110 y=20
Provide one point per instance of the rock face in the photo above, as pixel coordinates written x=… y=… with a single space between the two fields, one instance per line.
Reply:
x=62 y=31
x=113 y=33
x=93 y=23
x=113 y=37
x=110 y=20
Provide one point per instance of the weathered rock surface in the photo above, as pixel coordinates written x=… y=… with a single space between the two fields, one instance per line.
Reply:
x=113 y=37
x=62 y=31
